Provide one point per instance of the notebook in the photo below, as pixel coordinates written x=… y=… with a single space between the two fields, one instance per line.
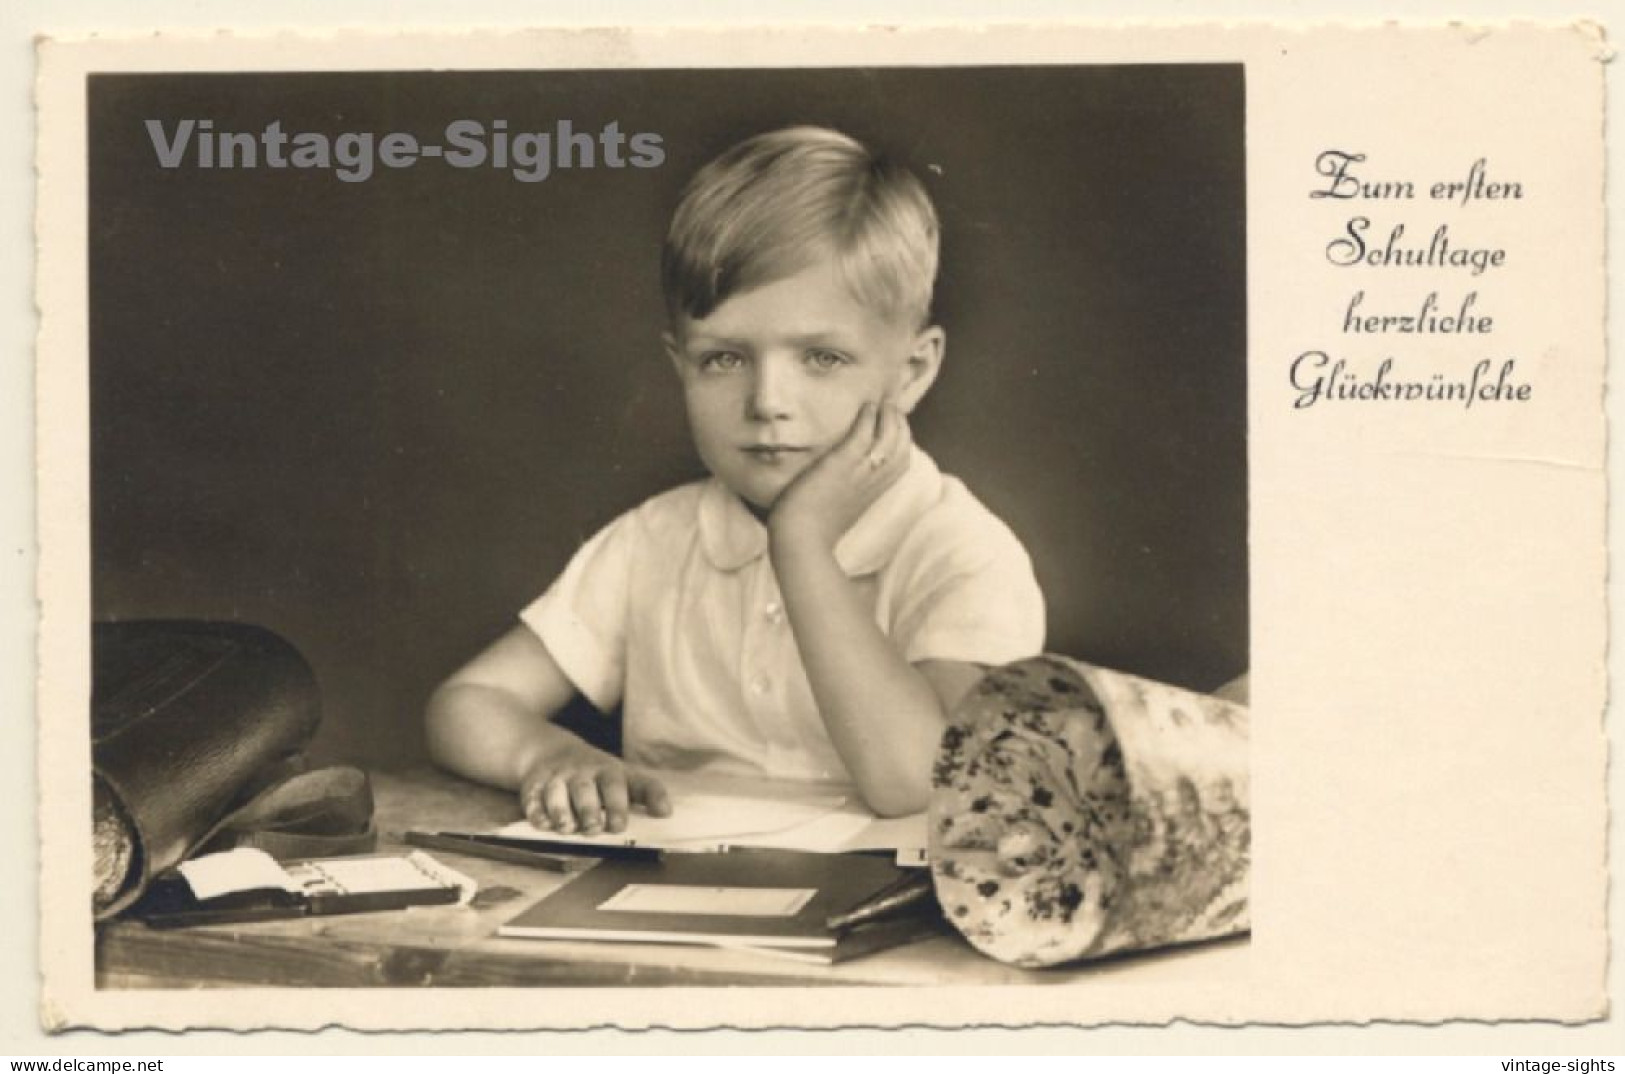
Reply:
x=743 y=897
x=245 y=885
x=914 y=926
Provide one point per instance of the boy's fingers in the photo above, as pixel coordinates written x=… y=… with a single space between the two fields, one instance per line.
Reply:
x=860 y=437
x=888 y=440
x=889 y=452
x=868 y=442
x=556 y=800
x=589 y=809
x=530 y=802
x=890 y=413
x=617 y=804
x=651 y=793
x=902 y=435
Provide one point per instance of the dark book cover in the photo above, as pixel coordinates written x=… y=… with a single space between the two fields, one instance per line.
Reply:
x=772 y=898
x=913 y=925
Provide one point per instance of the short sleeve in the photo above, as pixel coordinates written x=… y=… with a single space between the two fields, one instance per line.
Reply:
x=978 y=602
x=582 y=616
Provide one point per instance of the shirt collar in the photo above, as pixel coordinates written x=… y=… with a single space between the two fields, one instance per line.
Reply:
x=732 y=537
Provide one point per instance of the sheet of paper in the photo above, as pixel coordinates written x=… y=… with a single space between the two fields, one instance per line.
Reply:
x=242 y=869
x=714 y=821
x=835 y=831
x=906 y=835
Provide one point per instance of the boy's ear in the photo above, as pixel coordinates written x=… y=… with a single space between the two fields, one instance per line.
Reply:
x=921 y=367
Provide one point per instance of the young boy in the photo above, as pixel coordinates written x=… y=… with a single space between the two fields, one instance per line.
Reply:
x=814 y=609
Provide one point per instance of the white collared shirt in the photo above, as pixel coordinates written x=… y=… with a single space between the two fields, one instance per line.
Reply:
x=672 y=611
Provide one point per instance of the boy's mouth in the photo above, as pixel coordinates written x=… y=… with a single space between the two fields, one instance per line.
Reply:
x=770 y=453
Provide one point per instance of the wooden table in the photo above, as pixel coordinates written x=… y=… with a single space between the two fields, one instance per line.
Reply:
x=457 y=945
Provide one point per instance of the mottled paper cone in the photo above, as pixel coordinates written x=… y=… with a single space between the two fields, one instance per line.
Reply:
x=1080 y=812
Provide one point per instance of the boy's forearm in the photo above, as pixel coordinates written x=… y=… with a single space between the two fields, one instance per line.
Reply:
x=882 y=715
x=486 y=734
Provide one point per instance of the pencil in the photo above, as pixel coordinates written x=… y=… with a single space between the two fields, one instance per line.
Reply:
x=495 y=852
x=596 y=851
x=906 y=892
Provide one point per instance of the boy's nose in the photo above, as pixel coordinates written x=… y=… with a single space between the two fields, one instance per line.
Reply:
x=768 y=398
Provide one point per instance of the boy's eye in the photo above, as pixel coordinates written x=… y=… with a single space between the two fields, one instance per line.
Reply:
x=721 y=361
x=822 y=359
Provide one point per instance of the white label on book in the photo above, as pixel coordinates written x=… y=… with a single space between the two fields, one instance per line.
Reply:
x=708 y=901
x=242 y=869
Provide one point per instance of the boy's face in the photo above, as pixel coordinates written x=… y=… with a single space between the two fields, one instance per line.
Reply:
x=774 y=377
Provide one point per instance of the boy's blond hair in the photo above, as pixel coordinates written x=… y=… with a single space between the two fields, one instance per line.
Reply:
x=770 y=206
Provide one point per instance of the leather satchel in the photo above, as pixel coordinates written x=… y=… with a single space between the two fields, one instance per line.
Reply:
x=197 y=730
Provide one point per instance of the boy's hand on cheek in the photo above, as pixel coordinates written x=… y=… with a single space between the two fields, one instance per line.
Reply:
x=830 y=495
x=581 y=789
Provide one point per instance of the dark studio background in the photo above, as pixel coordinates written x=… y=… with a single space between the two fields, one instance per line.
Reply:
x=378 y=417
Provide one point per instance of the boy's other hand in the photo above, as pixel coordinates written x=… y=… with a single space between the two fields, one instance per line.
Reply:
x=587 y=791
x=832 y=494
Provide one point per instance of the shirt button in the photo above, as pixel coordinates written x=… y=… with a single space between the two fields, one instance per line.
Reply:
x=774 y=613
x=758 y=685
